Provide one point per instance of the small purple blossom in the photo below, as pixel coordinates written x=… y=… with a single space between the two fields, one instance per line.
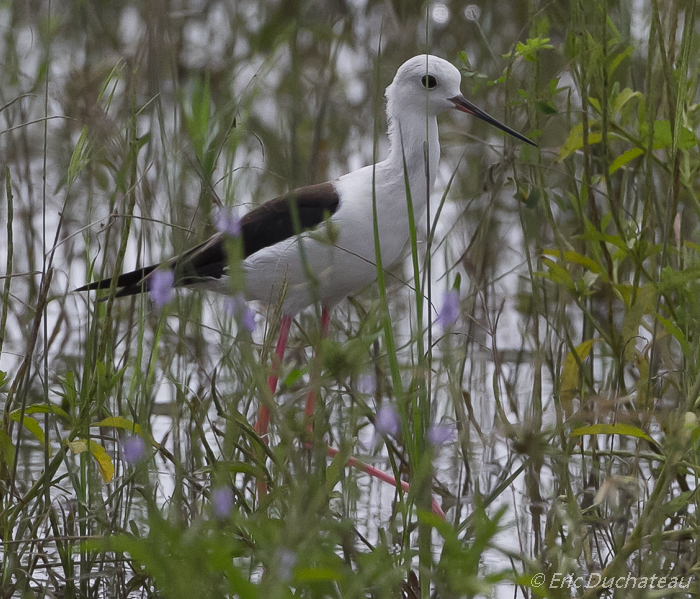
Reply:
x=222 y=501
x=248 y=319
x=237 y=307
x=133 y=450
x=228 y=223
x=161 y=286
x=286 y=560
x=367 y=383
x=450 y=309
x=440 y=434
x=387 y=421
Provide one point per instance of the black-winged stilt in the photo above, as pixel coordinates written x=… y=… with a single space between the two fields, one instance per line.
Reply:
x=317 y=242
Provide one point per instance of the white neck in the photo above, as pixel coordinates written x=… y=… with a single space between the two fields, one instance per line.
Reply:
x=410 y=136
x=385 y=182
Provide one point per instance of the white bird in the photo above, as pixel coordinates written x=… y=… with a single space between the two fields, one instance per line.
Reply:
x=317 y=243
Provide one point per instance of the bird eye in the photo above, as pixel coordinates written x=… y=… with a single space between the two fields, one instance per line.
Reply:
x=428 y=82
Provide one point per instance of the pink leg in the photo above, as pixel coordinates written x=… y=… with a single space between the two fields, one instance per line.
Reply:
x=383 y=476
x=315 y=372
x=330 y=451
x=264 y=412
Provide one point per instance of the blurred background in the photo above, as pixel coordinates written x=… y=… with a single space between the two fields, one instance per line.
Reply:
x=124 y=126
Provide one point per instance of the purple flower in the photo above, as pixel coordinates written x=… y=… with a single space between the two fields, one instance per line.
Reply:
x=222 y=501
x=387 y=421
x=248 y=319
x=440 y=434
x=237 y=307
x=286 y=560
x=133 y=450
x=161 y=286
x=367 y=383
x=227 y=223
x=450 y=309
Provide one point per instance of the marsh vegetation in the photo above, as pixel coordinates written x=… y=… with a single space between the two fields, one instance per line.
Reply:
x=555 y=420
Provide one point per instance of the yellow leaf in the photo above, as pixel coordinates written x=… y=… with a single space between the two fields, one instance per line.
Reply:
x=103 y=461
x=119 y=422
x=612 y=429
x=78 y=446
x=127 y=425
x=570 y=372
x=98 y=452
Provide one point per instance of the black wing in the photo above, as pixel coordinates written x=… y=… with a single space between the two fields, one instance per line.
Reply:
x=279 y=219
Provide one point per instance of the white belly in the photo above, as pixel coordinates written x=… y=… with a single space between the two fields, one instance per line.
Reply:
x=313 y=270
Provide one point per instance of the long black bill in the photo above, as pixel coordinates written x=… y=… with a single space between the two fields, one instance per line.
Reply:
x=461 y=103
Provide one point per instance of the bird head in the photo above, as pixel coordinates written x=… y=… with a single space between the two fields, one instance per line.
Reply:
x=427 y=85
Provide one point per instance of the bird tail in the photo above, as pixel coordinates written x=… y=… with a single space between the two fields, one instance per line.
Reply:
x=130 y=283
x=201 y=263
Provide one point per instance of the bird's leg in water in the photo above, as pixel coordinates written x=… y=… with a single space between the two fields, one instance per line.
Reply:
x=264 y=412
x=316 y=373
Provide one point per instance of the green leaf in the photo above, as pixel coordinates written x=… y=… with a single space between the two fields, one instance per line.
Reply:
x=624 y=158
x=672 y=279
x=47 y=409
x=319 y=574
x=197 y=114
x=7 y=449
x=623 y=97
x=558 y=274
x=80 y=156
x=576 y=258
x=592 y=234
x=336 y=467
x=615 y=62
x=633 y=318
x=663 y=136
x=531 y=48
x=627 y=430
x=294 y=376
x=596 y=105
x=106 y=379
x=70 y=392
x=546 y=107
x=533 y=198
x=246 y=468
x=574 y=142
x=677 y=503
x=30 y=424
x=672 y=328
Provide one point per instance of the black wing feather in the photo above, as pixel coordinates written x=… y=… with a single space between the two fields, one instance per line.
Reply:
x=262 y=227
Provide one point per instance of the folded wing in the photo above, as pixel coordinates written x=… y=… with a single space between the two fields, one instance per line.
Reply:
x=279 y=219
